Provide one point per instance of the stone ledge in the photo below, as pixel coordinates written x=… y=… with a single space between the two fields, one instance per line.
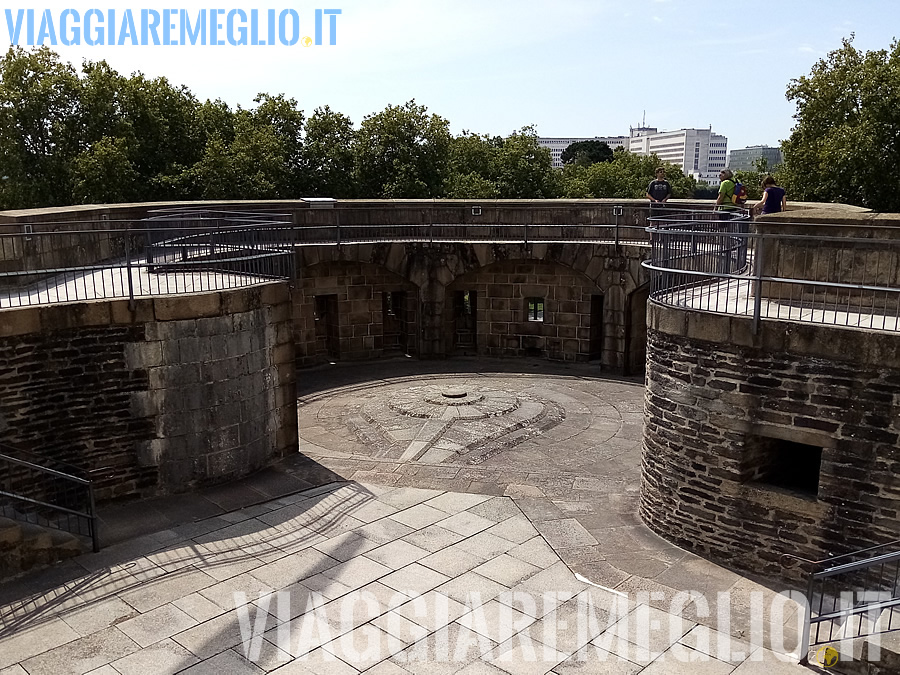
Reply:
x=867 y=348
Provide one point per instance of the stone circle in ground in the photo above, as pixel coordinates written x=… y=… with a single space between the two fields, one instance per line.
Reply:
x=473 y=420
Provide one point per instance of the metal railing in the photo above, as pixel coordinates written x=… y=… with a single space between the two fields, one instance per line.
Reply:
x=700 y=264
x=615 y=228
x=58 y=498
x=186 y=250
x=130 y=260
x=851 y=596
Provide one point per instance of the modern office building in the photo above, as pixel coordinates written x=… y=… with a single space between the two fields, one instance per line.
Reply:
x=699 y=152
x=557 y=145
x=744 y=159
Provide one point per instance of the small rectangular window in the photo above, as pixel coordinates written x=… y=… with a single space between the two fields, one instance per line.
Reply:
x=782 y=464
x=535 y=309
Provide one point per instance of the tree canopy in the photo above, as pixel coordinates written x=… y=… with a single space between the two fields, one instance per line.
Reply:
x=845 y=146
x=626 y=176
x=587 y=153
x=92 y=135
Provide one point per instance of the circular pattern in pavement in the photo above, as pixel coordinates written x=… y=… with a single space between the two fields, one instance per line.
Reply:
x=543 y=422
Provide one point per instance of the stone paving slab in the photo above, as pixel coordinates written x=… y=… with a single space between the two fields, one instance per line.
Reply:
x=342 y=559
x=516 y=609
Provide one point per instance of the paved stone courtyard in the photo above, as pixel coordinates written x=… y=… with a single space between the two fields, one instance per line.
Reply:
x=472 y=520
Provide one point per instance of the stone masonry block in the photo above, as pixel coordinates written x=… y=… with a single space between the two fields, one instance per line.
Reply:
x=240 y=300
x=20 y=321
x=121 y=313
x=142 y=355
x=173 y=308
x=708 y=327
x=283 y=353
x=144 y=404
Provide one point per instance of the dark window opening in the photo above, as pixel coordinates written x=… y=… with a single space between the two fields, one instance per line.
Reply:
x=465 y=321
x=783 y=464
x=465 y=303
x=535 y=309
x=321 y=309
x=393 y=302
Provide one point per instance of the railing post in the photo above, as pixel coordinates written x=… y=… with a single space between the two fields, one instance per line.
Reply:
x=337 y=223
x=128 y=268
x=757 y=282
x=617 y=211
x=95 y=536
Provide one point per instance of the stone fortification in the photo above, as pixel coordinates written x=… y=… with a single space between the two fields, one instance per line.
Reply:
x=784 y=442
x=180 y=392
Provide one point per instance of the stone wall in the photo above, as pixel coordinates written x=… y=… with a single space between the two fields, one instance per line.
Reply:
x=352 y=310
x=571 y=321
x=355 y=275
x=733 y=419
x=180 y=392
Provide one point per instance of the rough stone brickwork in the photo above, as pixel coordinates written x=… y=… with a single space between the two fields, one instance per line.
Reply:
x=502 y=292
x=181 y=391
x=340 y=312
x=66 y=393
x=716 y=394
x=426 y=272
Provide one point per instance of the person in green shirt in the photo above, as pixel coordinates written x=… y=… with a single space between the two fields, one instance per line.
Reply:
x=724 y=203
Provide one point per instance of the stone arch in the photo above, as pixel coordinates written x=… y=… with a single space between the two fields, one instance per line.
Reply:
x=524 y=306
x=351 y=310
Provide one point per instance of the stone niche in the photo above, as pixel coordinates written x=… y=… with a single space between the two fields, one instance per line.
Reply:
x=526 y=308
x=784 y=442
x=180 y=392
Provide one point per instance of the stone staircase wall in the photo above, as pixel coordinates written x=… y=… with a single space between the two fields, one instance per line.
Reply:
x=25 y=547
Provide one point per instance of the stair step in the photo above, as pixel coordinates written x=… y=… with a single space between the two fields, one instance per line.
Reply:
x=10 y=533
x=35 y=537
x=66 y=544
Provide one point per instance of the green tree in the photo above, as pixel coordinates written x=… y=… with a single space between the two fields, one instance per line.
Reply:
x=160 y=125
x=515 y=167
x=844 y=147
x=40 y=128
x=327 y=159
x=705 y=191
x=470 y=186
x=587 y=153
x=402 y=152
x=104 y=174
x=523 y=169
x=626 y=176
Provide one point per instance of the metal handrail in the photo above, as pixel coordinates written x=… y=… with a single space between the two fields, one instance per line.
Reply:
x=701 y=265
x=856 y=599
x=27 y=488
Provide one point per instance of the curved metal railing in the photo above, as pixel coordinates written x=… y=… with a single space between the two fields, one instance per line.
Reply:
x=183 y=249
x=171 y=252
x=831 y=277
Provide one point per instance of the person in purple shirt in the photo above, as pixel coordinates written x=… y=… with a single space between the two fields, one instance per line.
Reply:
x=773 y=198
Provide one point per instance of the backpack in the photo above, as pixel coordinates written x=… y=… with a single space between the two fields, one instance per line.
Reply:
x=739 y=197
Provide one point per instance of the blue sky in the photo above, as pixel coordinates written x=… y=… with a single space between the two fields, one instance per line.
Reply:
x=569 y=67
